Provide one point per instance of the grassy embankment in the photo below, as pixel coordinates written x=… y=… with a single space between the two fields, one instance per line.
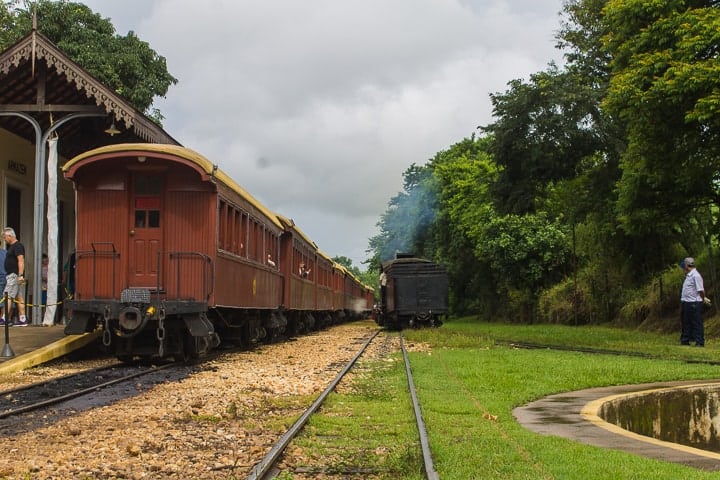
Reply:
x=468 y=381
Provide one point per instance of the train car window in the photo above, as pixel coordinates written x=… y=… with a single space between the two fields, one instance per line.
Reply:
x=253 y=247
x=153 y=219
x=270 y=242
x=259 y=234
x=141 y=185
x=140 y=219
x=243 y=232
x=145 y=215
x=228 y=228
x=236 y=232
x=221 y=224
x=147 y=201
x=147 y=185
x=154 y=186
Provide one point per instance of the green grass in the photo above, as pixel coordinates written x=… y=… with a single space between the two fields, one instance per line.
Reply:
x=463 y=388
x=469 y=381
x=366 y=430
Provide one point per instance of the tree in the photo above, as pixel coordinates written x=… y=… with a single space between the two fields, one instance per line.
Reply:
x=666 y=87
x=518 y=254
x=126 y=64
x=464 y=173
x=592 y=177
x=544 y=129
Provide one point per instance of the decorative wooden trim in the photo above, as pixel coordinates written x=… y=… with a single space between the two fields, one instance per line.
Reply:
x=105 y=98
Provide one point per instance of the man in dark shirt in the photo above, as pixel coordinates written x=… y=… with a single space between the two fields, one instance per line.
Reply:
x=15 y=277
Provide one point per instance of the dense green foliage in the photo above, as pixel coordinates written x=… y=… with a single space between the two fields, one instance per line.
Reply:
x=124 y=63
x=591 y=182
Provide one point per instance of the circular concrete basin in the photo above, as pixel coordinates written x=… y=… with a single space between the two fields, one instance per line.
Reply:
x=687 y=415
x=611 y=417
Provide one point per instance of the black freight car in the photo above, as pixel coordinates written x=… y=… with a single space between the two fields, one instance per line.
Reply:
x=413 y=293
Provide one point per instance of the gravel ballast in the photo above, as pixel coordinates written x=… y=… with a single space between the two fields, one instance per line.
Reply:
x=214 y=423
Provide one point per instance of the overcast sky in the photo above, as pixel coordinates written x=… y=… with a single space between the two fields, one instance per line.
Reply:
x=317 y=107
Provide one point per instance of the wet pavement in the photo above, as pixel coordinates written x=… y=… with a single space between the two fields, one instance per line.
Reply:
x=573 y=415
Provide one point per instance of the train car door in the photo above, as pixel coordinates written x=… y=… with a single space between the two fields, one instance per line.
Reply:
x=146 y=230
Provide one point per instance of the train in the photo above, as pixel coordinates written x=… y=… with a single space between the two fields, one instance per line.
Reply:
x=173 y=257
x=413 y=293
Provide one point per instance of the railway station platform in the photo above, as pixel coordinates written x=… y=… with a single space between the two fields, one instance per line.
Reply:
x=34 y=345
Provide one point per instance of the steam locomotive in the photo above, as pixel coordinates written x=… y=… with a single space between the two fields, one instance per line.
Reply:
x=413 y=293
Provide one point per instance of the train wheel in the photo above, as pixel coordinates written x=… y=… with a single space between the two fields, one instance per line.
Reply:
x=128 y=359
x=147 y=360
x=273 y=335
x=190 y=350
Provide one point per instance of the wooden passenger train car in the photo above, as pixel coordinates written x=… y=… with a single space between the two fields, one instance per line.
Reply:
x=173 y=257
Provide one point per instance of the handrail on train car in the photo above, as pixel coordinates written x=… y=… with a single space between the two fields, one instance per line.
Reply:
x=95 y=253
x=207 y=273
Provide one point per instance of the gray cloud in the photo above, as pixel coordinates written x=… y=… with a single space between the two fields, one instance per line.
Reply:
x=318 y=107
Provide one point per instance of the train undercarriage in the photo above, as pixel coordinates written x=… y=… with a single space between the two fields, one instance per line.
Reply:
x=138 y=329
x=396 y=321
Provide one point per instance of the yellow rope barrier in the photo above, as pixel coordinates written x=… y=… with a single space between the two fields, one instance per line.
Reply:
x=69 y=297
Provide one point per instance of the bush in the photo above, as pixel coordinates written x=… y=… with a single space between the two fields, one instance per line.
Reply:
x=564 y=304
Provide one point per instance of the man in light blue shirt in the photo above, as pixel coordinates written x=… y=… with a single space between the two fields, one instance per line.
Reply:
x=692 y=299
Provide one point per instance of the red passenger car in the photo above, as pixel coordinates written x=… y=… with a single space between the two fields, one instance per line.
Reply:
x=172 y=256
x=164 y=241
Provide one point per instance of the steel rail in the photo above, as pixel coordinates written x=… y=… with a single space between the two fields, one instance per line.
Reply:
x=263 y=467
x=49 y=381
x=84 y=391
x=600 y=351
x=430 y=472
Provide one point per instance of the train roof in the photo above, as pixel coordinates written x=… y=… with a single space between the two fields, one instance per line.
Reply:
x=205 y=165
x=411 y=267
x=395 y=261
x=289 y=224
x=325 y=256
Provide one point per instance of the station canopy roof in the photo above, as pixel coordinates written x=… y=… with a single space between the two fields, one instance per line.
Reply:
x=39 y=80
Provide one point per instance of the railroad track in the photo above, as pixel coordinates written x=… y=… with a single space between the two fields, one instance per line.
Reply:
x=39 y=395
x=27 y=398
x=598 y=351
x=267 y=469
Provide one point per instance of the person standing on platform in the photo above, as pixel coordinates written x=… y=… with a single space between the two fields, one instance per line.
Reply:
x=15 y=277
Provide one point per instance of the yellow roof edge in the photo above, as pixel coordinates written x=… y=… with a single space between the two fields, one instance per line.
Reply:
x=183 y=152
x=289 y=224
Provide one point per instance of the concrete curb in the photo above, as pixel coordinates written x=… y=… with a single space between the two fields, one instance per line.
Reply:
x=48 y=352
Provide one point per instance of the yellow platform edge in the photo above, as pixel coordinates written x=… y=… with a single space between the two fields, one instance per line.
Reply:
x=48 y=352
